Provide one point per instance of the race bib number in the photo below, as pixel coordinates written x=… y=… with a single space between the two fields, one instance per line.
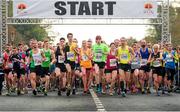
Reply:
x=37 y=60
x=144 y=62
x=84 y=58
x=169 y=59
x=113 y=62
x=124 y=57
x=98 y=56
x=21 y=65
x=47 y=59
x=10 y=65
x=156 y=63
x=70 y=55
x=60 y=59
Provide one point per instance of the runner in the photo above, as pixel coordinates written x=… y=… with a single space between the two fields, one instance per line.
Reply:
x=50 y=59
x=157 y=67
x=8 y=69
x=70 y=58
x=100 y=51
x=60 y=66
x=36 y=59
x=16 y=59
x=169 y=57
x=92 y=73
x=23 y=82
x=111 y=68
x=125 y=55
x=135 y=65
x=144 y=73
x=86 y=65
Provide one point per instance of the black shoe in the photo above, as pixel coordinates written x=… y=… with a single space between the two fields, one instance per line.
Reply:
x=18 y=92
x=63 y=89
x=59 y=93
x=34 y=92
x=142 y=91
x=0 y=93
x=74 y=92
x=148 y=91
x=68 y=92
x=169 y=90
x=88 y=92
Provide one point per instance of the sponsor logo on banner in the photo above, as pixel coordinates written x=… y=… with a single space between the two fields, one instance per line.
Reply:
x=148 y=8
x=84 y=9
x=21 y=7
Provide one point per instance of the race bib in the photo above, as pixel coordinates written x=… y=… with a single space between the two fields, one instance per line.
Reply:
x=84 y=58
x=1 y=62
x=124 y=57
x=37 y=60
x=21 y=65
x=70 y=55
x=113 y=62
x=61 y=59
x=169 y=59
x=98 y=56
x=10 y=65
x=156 y=63
x=144 y=62
x=47 y=59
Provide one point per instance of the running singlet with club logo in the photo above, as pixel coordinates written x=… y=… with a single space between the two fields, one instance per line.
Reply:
x=156 y=62
x=144 y=56
x=36 y=59
x=8 y=63
x=23 y=56
x=169 y=60
x=47 y=62
x=70 y=53
x=111 y=62
x=99 y=50
x=124 y=55
x=135 y=64
x=84 y=58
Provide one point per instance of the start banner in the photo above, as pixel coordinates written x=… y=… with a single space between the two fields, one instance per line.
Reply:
x=85 y=9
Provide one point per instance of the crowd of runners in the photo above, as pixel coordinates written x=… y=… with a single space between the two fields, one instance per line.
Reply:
x=108 y=69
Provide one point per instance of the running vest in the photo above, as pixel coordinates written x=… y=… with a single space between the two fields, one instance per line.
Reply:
x=8 y=63
x=169 y=61
x=156 y=63
x=144 y=56
x=84 y=60
x=23 y=56
x=136 y=61
x=99 y=50
x=59 y=57
x=36 y=58
x=47 y=62
x=124 y=55
x=70 y=54
x=111 y=62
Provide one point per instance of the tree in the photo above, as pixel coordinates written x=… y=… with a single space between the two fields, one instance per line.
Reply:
x=26 y=32
x=154 y=31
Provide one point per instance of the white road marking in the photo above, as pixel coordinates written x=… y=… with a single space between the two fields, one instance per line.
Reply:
x=99 y=105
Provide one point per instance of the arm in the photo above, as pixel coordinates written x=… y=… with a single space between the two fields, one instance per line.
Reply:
x=53 y=57
x=132 y=54
x=150 y=54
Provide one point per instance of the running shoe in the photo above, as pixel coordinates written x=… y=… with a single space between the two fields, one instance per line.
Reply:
x=123 y=94
x=74 y=92
x=34 y=92
x=59 y=92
